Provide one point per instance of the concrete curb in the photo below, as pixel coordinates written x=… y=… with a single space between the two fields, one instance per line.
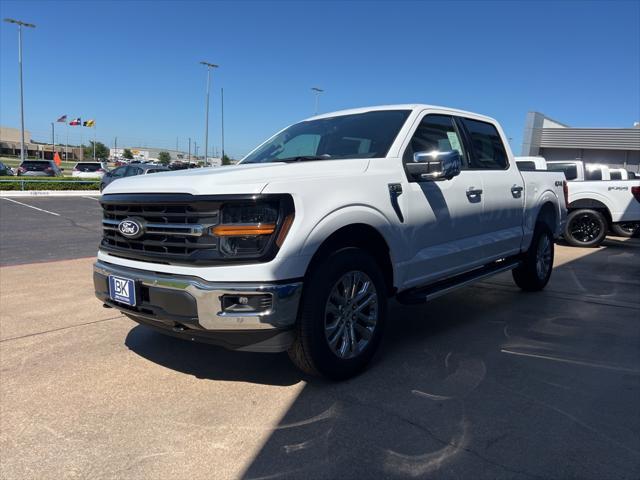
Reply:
x=48 y=193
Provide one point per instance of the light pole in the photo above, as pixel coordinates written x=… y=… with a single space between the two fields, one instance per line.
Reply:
x=317 y=91
x=206 y=126
x=20 y=25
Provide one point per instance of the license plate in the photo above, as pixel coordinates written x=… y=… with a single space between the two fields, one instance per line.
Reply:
x=122 y=290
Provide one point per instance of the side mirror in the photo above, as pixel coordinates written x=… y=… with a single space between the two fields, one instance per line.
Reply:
x=435 y=165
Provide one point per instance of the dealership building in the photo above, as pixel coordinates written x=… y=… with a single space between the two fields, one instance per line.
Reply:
x=10 y=147
x=548 y=138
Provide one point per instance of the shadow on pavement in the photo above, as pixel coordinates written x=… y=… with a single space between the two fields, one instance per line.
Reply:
x=488 y=382
x=209 y=362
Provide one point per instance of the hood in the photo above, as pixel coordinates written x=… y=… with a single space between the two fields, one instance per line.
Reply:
x=239 y=179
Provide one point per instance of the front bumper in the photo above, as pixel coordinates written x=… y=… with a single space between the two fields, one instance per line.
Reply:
x=191 y=308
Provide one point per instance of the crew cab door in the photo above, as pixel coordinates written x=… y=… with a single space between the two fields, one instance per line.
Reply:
x=443 y=217
x=503 y=192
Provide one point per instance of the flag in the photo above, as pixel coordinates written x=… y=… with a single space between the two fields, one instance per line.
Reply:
x=75 y=122
x=56 y=158
x=62 y=119
x=89 y=123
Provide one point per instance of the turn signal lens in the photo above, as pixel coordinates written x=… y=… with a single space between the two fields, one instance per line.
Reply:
x=286 y=225
x=243 y=230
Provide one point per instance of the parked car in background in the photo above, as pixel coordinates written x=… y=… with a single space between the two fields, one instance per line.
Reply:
x=300 y=246
x=182 y=165
x=5 y=170
x=89 y=170
x=130 y=171
x=39 y=168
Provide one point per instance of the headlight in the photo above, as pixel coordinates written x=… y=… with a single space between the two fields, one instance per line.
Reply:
x=251 y=230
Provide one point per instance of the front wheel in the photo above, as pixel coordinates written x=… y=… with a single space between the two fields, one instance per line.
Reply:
x=626 y=229
x=585 y=228
x=342 y=316
x=534 y=272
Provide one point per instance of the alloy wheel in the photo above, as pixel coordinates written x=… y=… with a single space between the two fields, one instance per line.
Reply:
x=351 y=314
x=543 y=257
x=585 y=228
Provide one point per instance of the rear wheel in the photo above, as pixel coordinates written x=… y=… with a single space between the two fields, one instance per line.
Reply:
x=585 y=228
x=342 y=316
x=534 y=272
x=625 y=229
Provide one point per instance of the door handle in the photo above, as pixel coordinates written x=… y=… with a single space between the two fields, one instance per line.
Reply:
x=473 y=191
x=516 y=191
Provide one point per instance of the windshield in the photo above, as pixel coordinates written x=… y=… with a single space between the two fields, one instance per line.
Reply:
x=362 y=135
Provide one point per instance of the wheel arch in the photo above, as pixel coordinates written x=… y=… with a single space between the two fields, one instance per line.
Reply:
x=359 y=235
x=591 y=204
x=548 y=214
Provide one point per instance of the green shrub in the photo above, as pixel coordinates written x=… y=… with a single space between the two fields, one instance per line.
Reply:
x=48 y=185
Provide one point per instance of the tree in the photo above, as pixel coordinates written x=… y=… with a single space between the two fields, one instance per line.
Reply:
x=127 y=154
x=164 y=158
x=102 y=152
x=226 y=160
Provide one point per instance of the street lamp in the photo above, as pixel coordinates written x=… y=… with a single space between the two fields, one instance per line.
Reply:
x=20 y=25
x=317 y=91
x=206 y=127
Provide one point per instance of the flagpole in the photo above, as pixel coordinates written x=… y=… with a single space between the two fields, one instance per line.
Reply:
x=94 y=143
x=53 y=140
x=66 y=147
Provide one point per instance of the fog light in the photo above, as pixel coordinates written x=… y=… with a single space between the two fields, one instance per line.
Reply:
x=258 y=303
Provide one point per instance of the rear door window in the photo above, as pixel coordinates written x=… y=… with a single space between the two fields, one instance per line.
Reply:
x=570 y=170
x=488 y=150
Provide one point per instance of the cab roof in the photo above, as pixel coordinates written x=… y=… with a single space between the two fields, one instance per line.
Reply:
x=402 y=106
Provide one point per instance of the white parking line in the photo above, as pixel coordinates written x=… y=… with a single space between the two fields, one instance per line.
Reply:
x=92 y=198
x=31 y=206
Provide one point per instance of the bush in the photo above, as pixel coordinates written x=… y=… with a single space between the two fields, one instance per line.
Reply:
x=48 y=185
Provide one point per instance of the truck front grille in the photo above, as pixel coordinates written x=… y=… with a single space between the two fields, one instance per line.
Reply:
x=175 y=227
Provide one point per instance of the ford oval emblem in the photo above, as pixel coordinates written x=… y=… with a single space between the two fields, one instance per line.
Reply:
x=130 y=228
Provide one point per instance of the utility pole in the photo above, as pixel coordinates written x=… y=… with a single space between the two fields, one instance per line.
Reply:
x=317 y=91
x=206 y=126
x=222 y=121
x=189 y=155
x=20 y=25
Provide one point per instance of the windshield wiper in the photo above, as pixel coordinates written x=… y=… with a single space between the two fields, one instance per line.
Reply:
x=303 y=158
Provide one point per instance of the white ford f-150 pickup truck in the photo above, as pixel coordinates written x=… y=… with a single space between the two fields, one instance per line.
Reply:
x=597 y=202
x=300 y=246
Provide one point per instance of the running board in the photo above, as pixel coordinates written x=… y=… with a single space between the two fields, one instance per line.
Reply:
x=425 y=294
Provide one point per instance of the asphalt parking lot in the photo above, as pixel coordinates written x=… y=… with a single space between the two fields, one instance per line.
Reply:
x=485 y=383
x=37 y=229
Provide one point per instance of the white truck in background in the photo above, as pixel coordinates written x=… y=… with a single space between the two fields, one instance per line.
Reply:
x=299 y=247
x=601 y=199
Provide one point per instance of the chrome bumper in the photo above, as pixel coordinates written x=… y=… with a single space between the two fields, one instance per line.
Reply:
x=207 y=296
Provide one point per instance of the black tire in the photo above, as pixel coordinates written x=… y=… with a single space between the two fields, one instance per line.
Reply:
x=537 y=263
x=311 y=351
x=585 y=228
x=626 y=229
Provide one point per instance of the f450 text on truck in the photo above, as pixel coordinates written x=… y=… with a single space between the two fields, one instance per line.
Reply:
x=300 y=246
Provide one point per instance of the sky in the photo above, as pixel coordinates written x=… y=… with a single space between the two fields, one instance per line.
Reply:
x=133 y=66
